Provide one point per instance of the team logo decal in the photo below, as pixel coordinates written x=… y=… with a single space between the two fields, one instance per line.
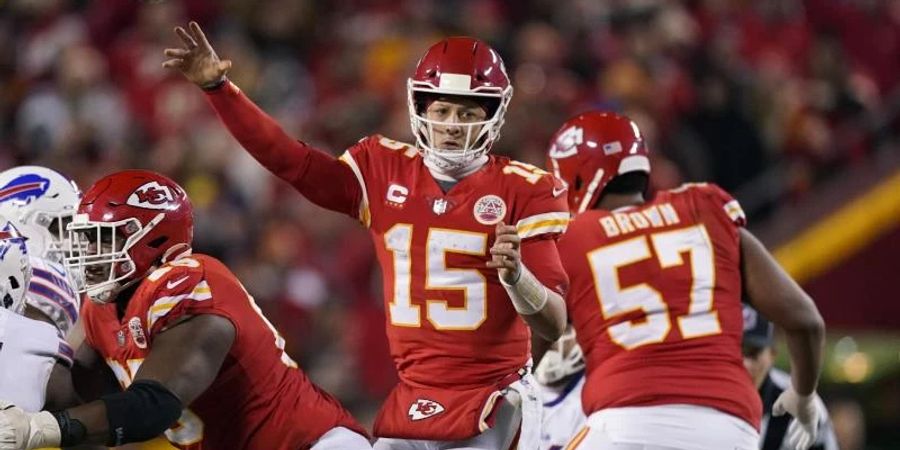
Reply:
x=611 y=148
x=24 y=189
x=151 y=195
x=423 y=408
x=567 y=143
x=439 y=206
x=489 y=210
x=137 y=333
x=9 y=236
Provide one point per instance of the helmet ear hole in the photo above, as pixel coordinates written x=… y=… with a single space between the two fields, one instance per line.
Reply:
x=578 y=182
x=7 y=300
x=13 y=282
x=158 y=242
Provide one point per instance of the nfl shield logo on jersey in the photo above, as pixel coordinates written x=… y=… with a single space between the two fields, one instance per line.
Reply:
x=423 y=408
x=489 y=210
x=440 y=206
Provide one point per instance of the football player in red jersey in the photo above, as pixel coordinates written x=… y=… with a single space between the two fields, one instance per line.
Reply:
x=194 y=355
x=466 y=241
x=655 y=297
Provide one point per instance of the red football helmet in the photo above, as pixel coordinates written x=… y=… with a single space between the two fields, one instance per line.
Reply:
x=127 y=224
x=461 y=66
x=591 y=149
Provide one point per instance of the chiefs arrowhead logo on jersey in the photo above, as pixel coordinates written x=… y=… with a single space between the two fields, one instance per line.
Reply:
x=489 y=210
x=423 y=408
x=151 y=195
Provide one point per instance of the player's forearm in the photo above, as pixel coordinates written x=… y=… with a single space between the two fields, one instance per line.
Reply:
x=320 y=177
x=60 y=389
x=539 y=347
x=805 y=349
x=140 y=413
x=258 y=133
x=93 y=418
x=550 y=322
x=542 y=309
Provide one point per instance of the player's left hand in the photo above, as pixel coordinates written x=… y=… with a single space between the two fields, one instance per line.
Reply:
x=805 y=410
x=505 y=256
x=20 y=430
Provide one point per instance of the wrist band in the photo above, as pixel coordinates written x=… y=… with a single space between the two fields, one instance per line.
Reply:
x=214 y=85
x=72 y=432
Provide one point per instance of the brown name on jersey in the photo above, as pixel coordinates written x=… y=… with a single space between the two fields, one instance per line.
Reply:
x=624 y=222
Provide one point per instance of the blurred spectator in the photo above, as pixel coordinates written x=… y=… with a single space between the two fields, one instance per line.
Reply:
x=849 y=424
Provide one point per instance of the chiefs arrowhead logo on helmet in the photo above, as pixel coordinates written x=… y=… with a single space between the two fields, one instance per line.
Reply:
x=566 y=144
x=151 y=195
x=423 y=408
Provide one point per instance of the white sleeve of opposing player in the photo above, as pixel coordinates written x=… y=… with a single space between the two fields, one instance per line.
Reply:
x=28 y=351
x=51 y=292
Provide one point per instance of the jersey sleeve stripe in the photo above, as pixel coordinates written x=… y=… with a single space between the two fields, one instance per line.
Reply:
x=55 y=280
x=39 y=291
x=576 y=441
x=163 y=305
x=555 y=222
x=734 y=211
x=364 y=214
x=65 y=354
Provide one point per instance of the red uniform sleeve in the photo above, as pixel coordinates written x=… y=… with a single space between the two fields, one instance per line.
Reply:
x=545 y=214
x=320 y=177
x=182 y=291
x=542 y=259
x=723 y=203
x=543 y=218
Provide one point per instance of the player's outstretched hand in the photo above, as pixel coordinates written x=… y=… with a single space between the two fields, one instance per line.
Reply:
x=505 y=256
x=196 y=60
x=805 y=410
x=20 y=430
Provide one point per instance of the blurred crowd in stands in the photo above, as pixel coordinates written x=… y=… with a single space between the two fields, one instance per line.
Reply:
x=765 y=97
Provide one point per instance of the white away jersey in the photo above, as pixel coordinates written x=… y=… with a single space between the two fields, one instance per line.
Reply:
x=563 y=415
x=51 y=292
x=28 y=351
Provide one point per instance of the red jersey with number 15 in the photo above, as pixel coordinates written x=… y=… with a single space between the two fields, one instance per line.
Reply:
x=259 y=399
x=454 y=334
x=451 y=323
x=655 y=299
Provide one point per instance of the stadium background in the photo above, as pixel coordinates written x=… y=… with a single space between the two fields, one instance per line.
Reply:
x=791 y=105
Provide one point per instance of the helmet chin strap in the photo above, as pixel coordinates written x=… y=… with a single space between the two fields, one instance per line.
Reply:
x=591 y=189
x=104 y=294
x=454 y=174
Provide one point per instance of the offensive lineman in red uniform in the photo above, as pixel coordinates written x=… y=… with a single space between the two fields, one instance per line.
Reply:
x=655 y=298
x=458 y=281
x=194 y=355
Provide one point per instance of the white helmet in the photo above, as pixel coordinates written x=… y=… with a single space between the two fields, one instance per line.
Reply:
x=44 y=202
x=564 y=358
x=15 y=269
